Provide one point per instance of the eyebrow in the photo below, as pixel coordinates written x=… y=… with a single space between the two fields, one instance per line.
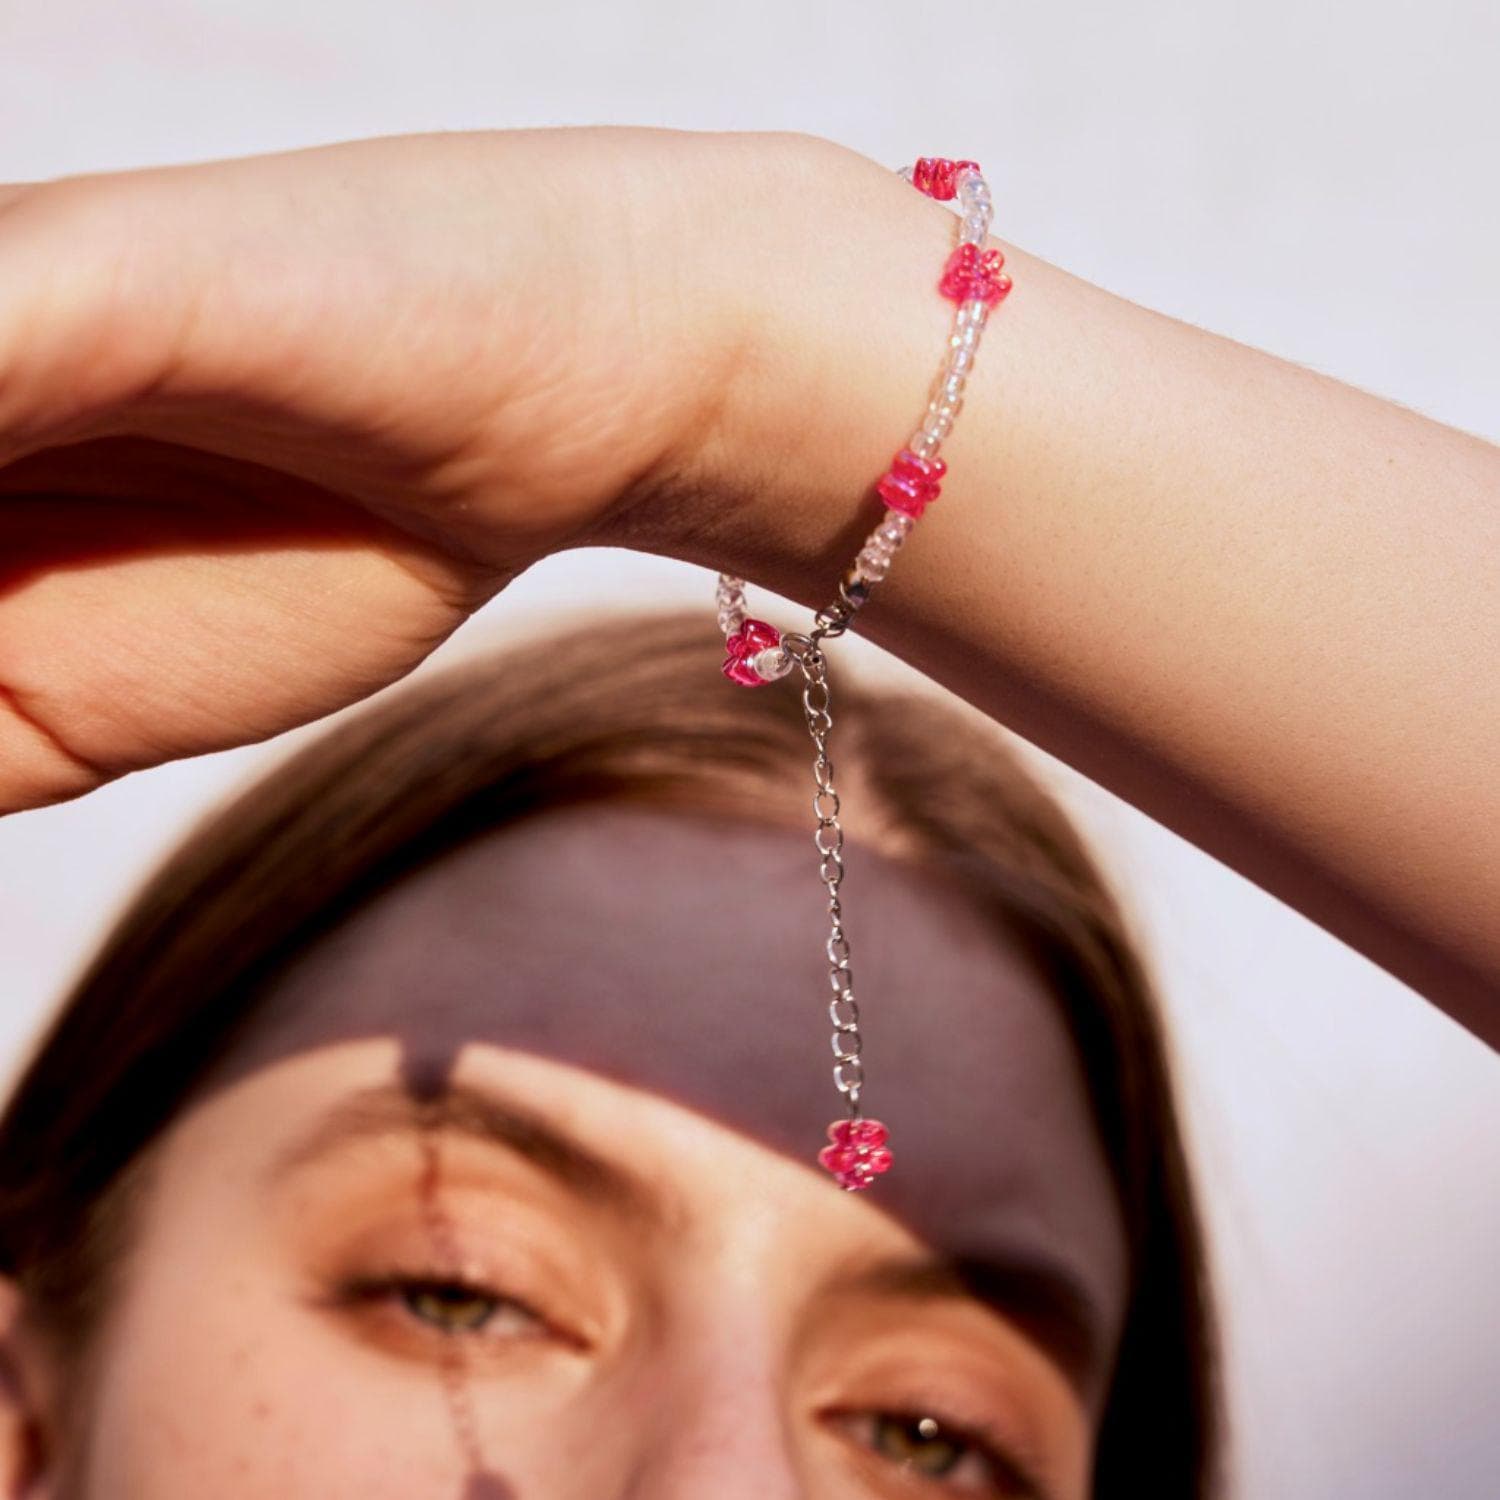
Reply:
x=1039 y=1294
x=494 y=1120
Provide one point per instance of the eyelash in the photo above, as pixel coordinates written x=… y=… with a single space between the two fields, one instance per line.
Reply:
x=973 y=1435
x=398 y=1286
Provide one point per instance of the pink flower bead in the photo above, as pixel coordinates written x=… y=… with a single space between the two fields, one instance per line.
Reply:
x=751 y=638
x=971 y=273
x=858 y=1153
x=911 y=483
x=937 y=176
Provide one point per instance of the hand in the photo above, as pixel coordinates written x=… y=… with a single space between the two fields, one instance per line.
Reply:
x=272 y=427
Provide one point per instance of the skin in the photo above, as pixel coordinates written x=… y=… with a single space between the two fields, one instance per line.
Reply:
x=719 y=1342
x=271 y=428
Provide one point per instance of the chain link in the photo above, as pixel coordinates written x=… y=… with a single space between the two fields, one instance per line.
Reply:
x=828 y=838
x=764 y=654
x=834 y=619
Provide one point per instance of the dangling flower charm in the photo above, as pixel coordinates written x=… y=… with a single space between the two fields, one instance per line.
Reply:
x=971 y=272
x=859 y=1153
x=751 y=650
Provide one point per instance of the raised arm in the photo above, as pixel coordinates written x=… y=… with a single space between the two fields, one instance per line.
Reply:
x=1261 y=605
x=271 y=428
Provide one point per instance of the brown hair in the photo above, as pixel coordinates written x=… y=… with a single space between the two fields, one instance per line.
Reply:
x=614 y=707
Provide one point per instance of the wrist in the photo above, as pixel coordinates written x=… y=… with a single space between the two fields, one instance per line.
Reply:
x=828 y=270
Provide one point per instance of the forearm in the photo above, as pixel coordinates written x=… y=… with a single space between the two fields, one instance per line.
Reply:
x=1257 y=603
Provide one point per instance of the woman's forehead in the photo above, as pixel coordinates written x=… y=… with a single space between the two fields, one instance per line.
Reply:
x=684 y=954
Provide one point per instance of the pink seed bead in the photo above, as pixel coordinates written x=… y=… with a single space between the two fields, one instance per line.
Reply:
x=937 y=176
x=858 y=1153
x=910 y=485
x=752 y=637
x=974 y=273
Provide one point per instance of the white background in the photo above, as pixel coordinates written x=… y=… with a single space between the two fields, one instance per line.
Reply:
x=1320 y=182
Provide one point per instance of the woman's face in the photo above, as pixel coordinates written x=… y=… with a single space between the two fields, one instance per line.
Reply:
x=444 y=1224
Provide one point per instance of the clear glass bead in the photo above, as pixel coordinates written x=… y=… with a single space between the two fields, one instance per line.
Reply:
x=945 y=383
x=772 y=663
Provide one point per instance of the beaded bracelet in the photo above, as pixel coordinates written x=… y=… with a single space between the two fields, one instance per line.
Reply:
x=757 y=653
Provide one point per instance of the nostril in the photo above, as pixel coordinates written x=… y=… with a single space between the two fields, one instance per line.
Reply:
x=487 y=1487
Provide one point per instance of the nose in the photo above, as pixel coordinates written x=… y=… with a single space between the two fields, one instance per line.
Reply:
x=720 y=1430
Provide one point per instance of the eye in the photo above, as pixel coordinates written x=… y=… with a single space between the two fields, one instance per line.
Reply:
x=920 y=1443
x=451 y=1307
x=956 y=1459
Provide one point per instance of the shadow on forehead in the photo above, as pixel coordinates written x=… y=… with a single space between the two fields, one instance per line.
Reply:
x=685 y=955
x=699 y=938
